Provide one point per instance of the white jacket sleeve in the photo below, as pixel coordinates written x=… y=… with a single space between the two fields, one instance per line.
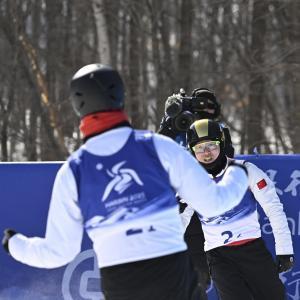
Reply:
x=193 y=184
x=64 y=230
x=264 y=192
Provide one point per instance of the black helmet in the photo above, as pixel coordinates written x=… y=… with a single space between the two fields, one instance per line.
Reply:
x=206 y=94
x=96 y=88
x=204 y=129
x=207 y=129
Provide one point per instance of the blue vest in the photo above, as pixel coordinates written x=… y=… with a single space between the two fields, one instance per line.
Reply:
x=246 y=207
x=128 y=184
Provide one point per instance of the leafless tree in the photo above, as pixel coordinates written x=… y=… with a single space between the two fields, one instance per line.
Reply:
x=246 y=51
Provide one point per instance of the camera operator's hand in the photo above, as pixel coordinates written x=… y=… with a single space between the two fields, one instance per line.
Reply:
x=166 y=128
x=8 y=233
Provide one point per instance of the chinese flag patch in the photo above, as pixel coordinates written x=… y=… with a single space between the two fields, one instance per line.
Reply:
x=261 y=184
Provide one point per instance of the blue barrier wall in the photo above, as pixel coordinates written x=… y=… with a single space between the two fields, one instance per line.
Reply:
x=25 y=190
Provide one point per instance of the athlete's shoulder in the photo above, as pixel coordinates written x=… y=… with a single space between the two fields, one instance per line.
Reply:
x=255 y=174
x=76 y=156
x=148 y=134
x=251 y=166
x=242 y=161
x=143 y=134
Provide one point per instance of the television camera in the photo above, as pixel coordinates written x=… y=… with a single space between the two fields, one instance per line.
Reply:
x=182 y=110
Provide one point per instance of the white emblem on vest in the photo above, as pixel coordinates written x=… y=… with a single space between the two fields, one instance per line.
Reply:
x=122 y=179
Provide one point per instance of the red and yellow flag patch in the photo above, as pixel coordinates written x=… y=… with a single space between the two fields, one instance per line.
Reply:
x=261 y=184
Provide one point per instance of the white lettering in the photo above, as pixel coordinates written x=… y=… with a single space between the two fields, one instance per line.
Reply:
x=116 y=202
x=134 y=198
x=294 y=225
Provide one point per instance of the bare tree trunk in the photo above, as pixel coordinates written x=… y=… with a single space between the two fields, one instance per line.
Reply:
x=213 y=30
x=4 y=128
x=185 y=45
x=293 y=73
x=7 y=109
x=277 y=130
x=31 y=145
x=134 y=70
x=255 y=130
x=155 y=16
x=168 y=63
x=112 y=21
x=102 y=32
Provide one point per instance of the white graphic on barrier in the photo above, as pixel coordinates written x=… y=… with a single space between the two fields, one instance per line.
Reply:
x=272 y=174
x=294 y=225
x=122 y=179
x=293 y=284
x=87 y=275
x=292 y=187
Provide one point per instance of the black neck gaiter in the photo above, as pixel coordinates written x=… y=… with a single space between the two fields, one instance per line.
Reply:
x=217 y=166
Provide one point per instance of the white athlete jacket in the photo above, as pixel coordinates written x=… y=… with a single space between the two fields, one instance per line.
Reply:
x=241 y=222
x=120 y=187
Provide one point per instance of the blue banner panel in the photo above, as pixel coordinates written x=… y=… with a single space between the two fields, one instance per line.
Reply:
x=284 y=171
x=25 y=191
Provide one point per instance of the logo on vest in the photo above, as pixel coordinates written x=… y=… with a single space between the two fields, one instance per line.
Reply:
x=122 y=179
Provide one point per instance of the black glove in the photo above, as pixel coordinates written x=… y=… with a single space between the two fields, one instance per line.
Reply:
x=173 y=107
x=166 y=128
x=8 y=233
x=284 y=262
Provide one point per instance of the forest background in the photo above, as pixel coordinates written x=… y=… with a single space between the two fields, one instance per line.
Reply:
x=247 y=51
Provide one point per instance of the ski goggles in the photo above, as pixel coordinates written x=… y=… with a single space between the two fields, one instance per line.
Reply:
x=209 y=146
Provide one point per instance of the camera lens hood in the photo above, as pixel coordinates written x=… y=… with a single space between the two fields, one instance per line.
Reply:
x=184 y=120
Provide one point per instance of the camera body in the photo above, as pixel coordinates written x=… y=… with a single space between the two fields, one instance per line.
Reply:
x=182 y=111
